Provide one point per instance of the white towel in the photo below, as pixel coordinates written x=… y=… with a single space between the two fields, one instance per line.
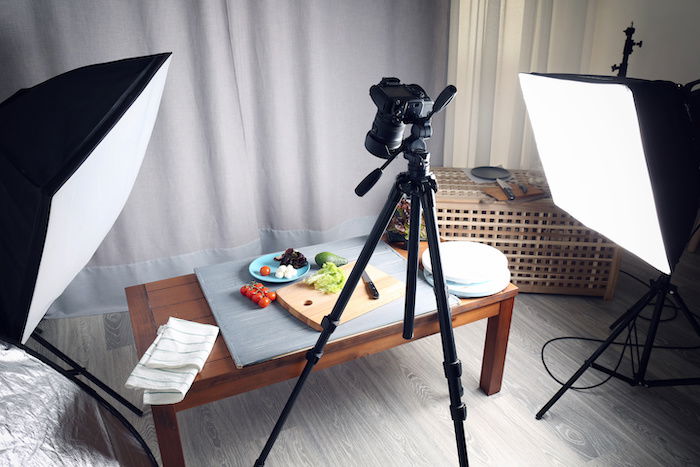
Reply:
x=168 y=368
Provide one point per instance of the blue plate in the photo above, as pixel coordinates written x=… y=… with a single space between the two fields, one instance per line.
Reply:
x=269 y=260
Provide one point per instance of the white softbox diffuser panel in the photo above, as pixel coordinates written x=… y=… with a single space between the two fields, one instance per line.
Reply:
x=589 y=141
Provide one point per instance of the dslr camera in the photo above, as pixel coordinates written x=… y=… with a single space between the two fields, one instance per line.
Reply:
x=397 y=105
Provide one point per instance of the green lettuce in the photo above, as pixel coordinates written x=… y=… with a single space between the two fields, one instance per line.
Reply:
x=329 y=279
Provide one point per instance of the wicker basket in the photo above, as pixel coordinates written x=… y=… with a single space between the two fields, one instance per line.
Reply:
x=548 y=250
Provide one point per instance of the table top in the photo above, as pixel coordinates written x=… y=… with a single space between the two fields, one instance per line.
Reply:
x=151 y=304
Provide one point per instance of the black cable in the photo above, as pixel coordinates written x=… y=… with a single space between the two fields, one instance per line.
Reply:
x=673 y=305
x=632 y=328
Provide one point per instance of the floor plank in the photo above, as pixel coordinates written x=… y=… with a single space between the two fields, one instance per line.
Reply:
x=391 y=409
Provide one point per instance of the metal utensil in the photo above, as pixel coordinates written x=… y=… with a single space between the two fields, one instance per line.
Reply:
x=369 y=285
x=506 y=189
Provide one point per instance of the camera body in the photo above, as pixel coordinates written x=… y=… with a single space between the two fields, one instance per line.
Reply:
x=397 y=105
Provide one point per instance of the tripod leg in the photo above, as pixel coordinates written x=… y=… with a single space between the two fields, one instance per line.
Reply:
x=651 y=335
x=330 y=322
x=452 y=365
x=622 y=325
x=412 y=267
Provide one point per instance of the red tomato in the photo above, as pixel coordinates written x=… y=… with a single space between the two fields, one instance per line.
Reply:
x=244 y=289
x=264 y=290
x=265 y=271
x=249 y=292
x=271 y=295
x=257 y=297
x=258 y=285
x=264 y=301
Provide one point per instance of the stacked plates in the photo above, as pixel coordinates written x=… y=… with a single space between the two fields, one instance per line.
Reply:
x=471 y=269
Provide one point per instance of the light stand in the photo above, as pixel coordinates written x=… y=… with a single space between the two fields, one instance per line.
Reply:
x=627 y=50
x=635 y=142
x=659 y=290
x=419 y=184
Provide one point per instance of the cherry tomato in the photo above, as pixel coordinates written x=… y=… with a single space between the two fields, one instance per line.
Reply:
x=258 y=285
x=271 y=295
x=244 y=289
x=257 y=297
x=264 y=290
x=249 y=293
x=265 y=271
x=264 y=301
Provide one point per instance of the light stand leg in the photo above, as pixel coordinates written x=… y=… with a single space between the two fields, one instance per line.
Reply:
x=684 y=309
x=76 y=369
x=651 y=334
x=451 y=364
x=412 y=266
x=89 y=390
x=630 y=316
x=330 y=322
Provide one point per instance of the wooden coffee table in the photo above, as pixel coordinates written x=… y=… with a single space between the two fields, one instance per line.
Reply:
x=150 y=305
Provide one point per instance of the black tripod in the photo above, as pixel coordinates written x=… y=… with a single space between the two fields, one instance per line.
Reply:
x=419 y=184
x=659 y=290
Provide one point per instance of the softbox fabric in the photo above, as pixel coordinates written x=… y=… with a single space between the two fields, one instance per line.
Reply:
x=47 y=133
x=48 y=420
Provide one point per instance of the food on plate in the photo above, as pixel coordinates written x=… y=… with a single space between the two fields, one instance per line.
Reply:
x=329 y=279
x=288 y=272
x=258 y=294
x=265 y=271
x=292 y=257
x=328 y=257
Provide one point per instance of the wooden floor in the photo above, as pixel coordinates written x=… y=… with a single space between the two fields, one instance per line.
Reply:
x=391 y=409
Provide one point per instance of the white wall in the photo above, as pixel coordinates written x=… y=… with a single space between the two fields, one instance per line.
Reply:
x=669 y=29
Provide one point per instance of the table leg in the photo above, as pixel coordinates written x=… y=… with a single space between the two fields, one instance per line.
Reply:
x=168 y=434
x=494 y=360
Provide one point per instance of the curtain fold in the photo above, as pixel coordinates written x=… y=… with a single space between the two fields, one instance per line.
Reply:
x=259 y=141
x=491 y=42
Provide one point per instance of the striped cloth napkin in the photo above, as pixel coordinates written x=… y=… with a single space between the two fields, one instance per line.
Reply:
x=168 y=368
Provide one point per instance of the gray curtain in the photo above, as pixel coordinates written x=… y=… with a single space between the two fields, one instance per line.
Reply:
x=259 y=140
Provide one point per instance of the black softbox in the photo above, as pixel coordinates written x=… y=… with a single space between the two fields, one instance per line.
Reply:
x=70 y=150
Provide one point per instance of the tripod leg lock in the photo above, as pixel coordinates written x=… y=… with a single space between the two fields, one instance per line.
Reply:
x=328 y=325
x=314 y=356
x=459 y=412
x=453 y=369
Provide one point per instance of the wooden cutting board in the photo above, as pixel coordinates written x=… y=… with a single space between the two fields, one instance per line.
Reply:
x=309 y=305
x=497 y=192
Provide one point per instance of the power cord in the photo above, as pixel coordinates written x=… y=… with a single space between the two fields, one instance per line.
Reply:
x=627 y=344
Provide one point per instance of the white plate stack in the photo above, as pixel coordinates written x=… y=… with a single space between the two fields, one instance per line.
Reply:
x=471 y=269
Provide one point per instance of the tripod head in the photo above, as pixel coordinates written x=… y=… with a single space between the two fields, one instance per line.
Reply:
x=397 y=105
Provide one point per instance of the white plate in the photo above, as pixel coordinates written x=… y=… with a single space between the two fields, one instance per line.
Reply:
x=475 y=290
x=468 y=262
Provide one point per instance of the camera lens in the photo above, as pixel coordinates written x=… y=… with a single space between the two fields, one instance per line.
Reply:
x=384 y=134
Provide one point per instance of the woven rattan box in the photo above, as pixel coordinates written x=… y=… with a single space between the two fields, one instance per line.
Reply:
x=547 y=249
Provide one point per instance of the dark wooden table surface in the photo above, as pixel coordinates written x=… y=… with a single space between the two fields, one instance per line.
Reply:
x=150 y=305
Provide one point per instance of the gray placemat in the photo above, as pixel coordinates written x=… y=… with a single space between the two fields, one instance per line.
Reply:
x=255 y=334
